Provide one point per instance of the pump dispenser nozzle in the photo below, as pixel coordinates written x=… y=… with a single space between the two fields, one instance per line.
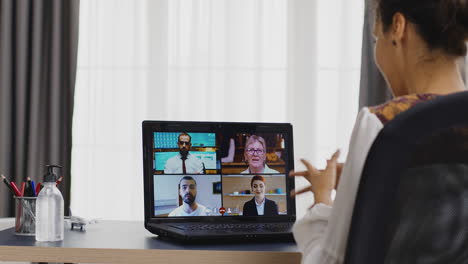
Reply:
x=50 y=175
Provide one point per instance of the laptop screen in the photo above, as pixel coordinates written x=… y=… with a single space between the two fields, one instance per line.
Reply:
x=197 y=169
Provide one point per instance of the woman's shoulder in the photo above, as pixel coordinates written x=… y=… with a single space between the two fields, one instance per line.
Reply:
x=269 y=170
x=250 y=201
x=388 y=110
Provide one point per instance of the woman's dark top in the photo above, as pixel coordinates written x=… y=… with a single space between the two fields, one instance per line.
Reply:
x=250 y=208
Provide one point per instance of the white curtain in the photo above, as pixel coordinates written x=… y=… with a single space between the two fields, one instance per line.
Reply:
x=216 y=60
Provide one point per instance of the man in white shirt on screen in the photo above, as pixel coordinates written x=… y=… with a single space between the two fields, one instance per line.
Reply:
x=184 y=162
x=188 y=192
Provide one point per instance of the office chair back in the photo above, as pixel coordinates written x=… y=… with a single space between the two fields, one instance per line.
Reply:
x=412 y=202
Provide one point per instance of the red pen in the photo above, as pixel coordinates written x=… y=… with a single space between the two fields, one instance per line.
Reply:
x=23 y=186
x=38 y=188
x=15 y=189
x=59 y=181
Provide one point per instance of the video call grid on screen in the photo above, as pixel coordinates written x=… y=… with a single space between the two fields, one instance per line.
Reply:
x=223 y=174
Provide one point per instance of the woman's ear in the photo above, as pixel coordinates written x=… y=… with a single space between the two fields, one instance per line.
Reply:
x=398 y=28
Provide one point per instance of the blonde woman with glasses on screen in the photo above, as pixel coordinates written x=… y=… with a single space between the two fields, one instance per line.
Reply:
x=417 y=46
x=255 y=153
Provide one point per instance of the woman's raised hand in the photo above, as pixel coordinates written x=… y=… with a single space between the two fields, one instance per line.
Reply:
x=322 y=182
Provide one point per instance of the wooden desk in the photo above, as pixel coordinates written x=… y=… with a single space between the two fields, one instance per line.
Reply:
x=129 y=242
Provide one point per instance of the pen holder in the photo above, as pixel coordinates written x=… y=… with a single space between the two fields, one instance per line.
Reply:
x=25 y=216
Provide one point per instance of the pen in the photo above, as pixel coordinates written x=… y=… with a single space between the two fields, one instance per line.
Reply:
x=38 y=188
x=33 y=189
x=59 y=181
x=15 y=189
x=23 y=185
x=7 y=182
x=29 y=191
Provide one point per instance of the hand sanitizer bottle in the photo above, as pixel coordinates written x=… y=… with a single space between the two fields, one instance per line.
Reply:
x=49 y=209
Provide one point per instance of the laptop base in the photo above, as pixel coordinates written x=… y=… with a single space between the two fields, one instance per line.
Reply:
x=172 y=231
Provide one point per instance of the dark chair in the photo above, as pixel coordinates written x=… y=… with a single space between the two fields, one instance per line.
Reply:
x=412 y=202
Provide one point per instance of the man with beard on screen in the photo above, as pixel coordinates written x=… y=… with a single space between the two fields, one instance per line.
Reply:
x=184 y=162
x=188 y=192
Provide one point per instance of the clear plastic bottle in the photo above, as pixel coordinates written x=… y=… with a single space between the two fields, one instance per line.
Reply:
x=49 y=209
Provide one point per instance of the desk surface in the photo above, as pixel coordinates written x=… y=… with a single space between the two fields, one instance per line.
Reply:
x=130 y=242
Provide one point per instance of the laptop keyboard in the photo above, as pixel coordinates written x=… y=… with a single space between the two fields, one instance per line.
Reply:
x=271 y=227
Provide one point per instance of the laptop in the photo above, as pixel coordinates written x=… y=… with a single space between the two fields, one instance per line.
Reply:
x=210 y=180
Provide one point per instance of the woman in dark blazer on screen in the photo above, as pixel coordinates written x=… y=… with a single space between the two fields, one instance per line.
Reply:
x=259 y=205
